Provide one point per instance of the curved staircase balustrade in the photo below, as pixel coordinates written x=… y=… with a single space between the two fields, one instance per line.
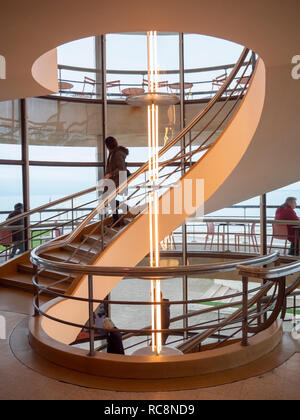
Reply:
x=35 y=231
x=209 y=328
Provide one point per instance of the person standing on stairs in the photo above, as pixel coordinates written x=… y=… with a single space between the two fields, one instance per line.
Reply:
x=18 y=235
x=116 y=166
x=114 y=338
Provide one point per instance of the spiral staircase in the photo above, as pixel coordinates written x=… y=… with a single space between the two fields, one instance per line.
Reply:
x=62 y=269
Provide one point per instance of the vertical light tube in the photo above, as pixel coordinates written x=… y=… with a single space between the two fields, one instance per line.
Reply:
x=153 y=148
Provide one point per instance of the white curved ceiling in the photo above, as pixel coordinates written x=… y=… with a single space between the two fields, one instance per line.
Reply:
x=30 y=29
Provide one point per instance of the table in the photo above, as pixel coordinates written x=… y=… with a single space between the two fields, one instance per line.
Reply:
x=65 y=86
x=177 y=86
x=224 y=233
x=133 y=91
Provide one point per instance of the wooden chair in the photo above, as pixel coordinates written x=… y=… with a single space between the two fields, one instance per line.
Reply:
x=114 y=84
x=248 y=238
x=212 y=233
x=279 y=232
x=88 y=82
x=6 y=241
x=219 y=81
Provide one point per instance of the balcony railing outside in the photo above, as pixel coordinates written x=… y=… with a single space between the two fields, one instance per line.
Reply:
x=231 y=233
x=200 y=84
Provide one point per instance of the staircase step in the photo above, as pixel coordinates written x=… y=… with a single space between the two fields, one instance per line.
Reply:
x=27 y=268
x=220 y=292
x=211 y=292
x=86 y=251
x=228 y=293
x=23 y=281
x=61 y=255
x=111 y=232
x=94 y=240
x=127 y=221
x=235 y=300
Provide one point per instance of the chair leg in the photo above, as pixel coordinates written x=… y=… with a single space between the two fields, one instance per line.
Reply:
x=246 y=243
x=212 y=241
x=285 y=247
x=271 y=245
x=206 y=240
x=256 y=242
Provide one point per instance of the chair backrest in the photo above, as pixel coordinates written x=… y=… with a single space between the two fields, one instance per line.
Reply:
x=280 y=231
x=5 y=237
x=210 y=227
x=163 y=84
x=88 y=81
x=158 y=85
x=219 y=80
x=113 y=84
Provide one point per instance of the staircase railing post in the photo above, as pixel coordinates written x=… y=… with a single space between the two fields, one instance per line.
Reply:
x=245 y=341
x=36 y=291
x=72 y=205
x=91 y=317
x=102 y=231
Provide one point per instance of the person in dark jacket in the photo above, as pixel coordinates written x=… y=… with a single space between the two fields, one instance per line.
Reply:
x=287 y=212
x=18 y=233
x=114 y=338
x=165 y=320
x=116 y=163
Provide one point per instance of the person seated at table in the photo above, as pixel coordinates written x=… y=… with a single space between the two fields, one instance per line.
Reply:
x=287 y=212
x=18 y=234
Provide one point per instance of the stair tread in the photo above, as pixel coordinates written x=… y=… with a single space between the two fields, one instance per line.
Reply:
x=80 y=247
x=111 y=231
x=94 y=236
x=60 y=255
x=28 y=268
x=221 y=291
x=210 y=292
x=26 y=279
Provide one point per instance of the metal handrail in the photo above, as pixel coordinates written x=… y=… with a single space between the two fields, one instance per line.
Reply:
x=148 y=273
x=259 y=290
x=46 y=206
x=269 y=273
x=145 y=72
